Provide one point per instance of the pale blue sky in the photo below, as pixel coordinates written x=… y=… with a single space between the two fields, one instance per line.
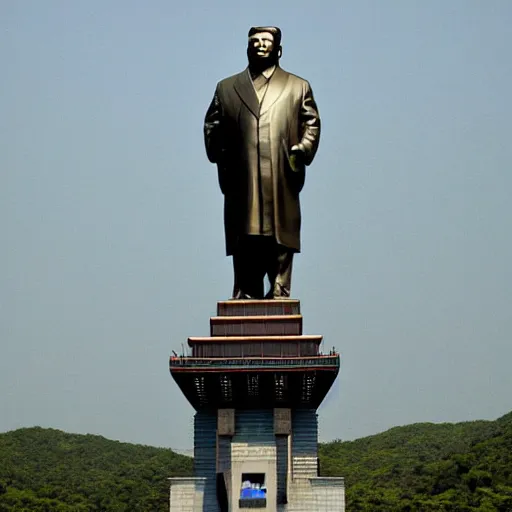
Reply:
x=111 y=218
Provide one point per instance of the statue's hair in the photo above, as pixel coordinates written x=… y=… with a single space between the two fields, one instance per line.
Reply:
x=275 y=31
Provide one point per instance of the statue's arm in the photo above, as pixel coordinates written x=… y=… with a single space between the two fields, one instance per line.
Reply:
x=310 y=123
x=213 y=130
x=214 y=140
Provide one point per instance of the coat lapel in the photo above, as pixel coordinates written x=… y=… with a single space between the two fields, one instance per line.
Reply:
x=245 y=89
x=276 y=86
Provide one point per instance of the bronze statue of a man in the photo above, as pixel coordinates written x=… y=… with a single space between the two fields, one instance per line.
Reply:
x=262 y=128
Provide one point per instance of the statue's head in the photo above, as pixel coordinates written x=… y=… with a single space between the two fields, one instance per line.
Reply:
x=264 y=46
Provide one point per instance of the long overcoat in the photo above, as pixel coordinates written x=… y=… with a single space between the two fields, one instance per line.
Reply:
x=250 y=143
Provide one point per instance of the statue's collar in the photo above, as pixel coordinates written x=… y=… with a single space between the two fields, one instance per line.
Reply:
x=267 y=73
x=245 y=89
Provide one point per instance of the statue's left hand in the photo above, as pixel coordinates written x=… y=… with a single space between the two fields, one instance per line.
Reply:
x=297 y=157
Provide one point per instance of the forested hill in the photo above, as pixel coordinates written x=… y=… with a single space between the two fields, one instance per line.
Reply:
x=51 y=471
x=423 y=467
x=427 y=467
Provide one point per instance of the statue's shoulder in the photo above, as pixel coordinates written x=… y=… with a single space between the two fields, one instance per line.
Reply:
x=231 y=80
x=296 y=79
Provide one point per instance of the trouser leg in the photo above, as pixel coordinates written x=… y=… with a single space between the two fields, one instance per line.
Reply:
x=279 y=269
x=237 y=269
x=249 y=268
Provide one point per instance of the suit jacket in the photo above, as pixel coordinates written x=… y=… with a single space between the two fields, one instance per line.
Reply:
x=250 y=143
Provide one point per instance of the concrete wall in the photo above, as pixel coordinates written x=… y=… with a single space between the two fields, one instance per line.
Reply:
x=187 y=494
x=328 y=494
x=317 y=494
x=253 y=458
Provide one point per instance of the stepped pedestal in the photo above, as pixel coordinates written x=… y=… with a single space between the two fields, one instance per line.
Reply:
x=256 y=383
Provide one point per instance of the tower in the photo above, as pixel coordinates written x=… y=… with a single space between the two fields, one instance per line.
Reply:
x=256 y=383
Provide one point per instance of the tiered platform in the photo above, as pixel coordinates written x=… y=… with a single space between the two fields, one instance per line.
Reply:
x=255 y=357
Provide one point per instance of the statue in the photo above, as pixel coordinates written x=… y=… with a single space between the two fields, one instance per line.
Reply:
x=262 y=129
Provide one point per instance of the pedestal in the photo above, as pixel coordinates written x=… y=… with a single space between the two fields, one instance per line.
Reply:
x=256 y=383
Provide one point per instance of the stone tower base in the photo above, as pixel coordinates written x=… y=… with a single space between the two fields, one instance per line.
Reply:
x=229 y=447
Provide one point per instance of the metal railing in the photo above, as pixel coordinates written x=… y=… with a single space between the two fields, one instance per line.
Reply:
x=244 y=362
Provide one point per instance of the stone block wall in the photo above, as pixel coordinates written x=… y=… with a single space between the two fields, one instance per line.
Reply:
x=316 y=494
x=187 y=494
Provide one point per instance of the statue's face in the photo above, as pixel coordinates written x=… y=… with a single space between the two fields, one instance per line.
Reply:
x=261 y=45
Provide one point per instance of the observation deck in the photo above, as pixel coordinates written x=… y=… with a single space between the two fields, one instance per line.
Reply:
x=255 y=357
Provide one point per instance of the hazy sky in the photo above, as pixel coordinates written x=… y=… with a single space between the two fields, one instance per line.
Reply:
x=111 y=216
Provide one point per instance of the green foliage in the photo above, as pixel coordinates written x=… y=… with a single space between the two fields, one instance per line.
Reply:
x=45 y=470
x=426 y=467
